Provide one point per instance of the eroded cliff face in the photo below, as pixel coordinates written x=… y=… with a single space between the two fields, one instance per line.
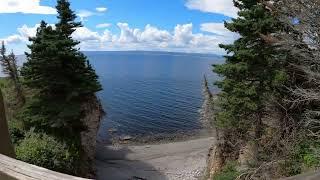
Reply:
x=215 y=159
x=93 y=113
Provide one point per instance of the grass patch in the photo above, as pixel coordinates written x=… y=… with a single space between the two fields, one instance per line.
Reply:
x=229 y=172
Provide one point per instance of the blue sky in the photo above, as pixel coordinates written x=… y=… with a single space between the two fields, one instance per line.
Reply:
x=194 y=26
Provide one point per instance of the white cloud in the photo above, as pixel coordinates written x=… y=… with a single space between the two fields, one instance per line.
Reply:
x=183 y=34
x=23 y=35
x=27 y=32
x=216 y=28
x=180 y=39
x=82 y=14
x=25 y=6
x=225 y=7
x=84 y=34
x=153 y=34
x=127 y=34
x=14 y=39
x=103 y=25
x=219 y=30
x=101 y=9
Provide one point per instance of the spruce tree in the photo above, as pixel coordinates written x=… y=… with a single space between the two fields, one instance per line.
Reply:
x=61 y=74
x=251 y=73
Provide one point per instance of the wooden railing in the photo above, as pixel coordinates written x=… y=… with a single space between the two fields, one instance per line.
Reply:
x=12 y=169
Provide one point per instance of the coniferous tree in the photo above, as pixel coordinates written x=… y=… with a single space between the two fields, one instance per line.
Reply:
x=251 y=73
x=61 y=74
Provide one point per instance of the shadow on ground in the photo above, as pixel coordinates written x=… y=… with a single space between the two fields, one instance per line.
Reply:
x=113 y=164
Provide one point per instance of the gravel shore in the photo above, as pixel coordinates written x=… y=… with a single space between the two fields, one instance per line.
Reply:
x=185 y=160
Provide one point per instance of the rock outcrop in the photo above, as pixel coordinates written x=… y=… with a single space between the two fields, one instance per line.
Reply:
x=207 y=109
x=93 y=113
x=215 y=160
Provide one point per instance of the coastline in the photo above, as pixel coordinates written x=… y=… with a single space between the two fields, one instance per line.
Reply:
x=182 y=155
x=175 y=156
x=206 y=130
x=162 y=138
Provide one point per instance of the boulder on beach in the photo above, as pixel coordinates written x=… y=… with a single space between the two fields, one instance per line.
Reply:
x=125 y=138
x=112 y=130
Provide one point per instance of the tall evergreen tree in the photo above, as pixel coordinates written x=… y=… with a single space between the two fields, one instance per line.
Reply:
x=61 y=74
x=251 y=73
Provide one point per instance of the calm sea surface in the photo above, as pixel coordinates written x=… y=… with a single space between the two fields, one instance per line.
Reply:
x=147 y=93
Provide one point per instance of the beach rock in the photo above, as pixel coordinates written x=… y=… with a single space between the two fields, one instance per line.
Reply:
x=126 y=138
x=112 y=130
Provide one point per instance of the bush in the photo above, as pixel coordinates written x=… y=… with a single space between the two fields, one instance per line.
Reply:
x=229 y=172
x=16 y=131
x=45 y=151
x=305 y=156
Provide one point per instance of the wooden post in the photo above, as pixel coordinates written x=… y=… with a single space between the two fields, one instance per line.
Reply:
x=6 y=147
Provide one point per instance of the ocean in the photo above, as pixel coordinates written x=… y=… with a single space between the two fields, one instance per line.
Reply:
x=149 y=93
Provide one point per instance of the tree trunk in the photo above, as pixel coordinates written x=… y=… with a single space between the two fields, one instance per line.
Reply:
x=6 y=147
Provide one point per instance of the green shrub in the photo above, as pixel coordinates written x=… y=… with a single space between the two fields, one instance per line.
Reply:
x=45 y=151
x=16 y=131
x=305 y=156
x=229 y=172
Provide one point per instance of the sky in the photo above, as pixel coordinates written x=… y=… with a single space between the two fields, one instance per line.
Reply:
x=192 y=26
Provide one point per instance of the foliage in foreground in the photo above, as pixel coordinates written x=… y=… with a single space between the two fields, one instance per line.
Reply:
x=58 y=79
x=269 y=104
x=304 y=157
x=46 y=151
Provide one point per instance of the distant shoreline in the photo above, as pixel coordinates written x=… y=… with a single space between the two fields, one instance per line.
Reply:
x=149 y=52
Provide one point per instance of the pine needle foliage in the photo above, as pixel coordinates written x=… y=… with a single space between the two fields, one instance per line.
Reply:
x=61 y=75
x=250 y=72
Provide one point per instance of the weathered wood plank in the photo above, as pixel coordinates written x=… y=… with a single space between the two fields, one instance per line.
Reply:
x=11 y=168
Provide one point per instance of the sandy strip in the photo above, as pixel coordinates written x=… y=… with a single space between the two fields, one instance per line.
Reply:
x=171 y=161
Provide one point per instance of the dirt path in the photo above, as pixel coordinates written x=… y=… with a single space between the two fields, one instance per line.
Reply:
x=171 y=161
